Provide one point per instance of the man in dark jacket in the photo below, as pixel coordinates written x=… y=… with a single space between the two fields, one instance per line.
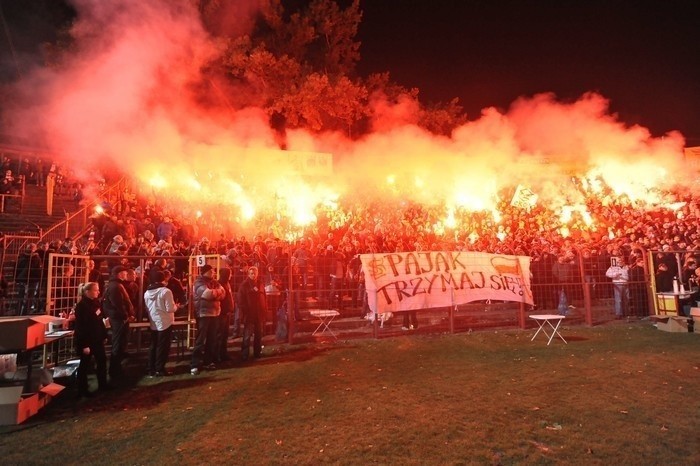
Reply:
x=225 y=315
x=158 y=266
x=118 y=307
x=253 y=306
x=27 y=276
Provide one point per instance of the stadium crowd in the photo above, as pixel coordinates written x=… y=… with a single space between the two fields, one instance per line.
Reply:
x=605 y=250
x=325 y=256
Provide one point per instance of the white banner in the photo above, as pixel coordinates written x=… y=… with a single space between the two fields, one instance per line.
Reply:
x=426 y=279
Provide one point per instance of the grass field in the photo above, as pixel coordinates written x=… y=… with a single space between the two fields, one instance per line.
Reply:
x=622 y=393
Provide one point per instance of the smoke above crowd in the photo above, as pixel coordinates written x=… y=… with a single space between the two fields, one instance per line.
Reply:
x=129 y=92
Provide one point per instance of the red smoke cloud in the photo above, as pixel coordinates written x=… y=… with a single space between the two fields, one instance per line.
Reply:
x=127 y=92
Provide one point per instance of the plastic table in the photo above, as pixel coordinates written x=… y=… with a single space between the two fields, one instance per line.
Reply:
x=551 y=320
x=326 y=316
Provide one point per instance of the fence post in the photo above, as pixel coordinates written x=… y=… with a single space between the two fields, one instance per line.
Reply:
x=586 y=287
x=521 y=316
x=451 y=313
x=376 y=314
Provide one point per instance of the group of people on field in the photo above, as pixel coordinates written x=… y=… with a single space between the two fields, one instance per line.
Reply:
x=97 y=311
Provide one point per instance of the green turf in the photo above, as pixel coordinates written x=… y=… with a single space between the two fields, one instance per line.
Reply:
x=623 y=393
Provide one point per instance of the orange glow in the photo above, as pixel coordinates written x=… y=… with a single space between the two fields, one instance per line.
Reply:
x=219 y=164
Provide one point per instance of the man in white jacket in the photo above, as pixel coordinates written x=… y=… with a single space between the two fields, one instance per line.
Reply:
x=619 y=273
x=161 y=314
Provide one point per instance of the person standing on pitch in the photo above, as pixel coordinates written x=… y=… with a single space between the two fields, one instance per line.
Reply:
x=253 y=306
x=208 y=294
x=161 y=315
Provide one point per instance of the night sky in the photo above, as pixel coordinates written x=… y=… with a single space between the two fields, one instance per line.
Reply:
x=643 y=56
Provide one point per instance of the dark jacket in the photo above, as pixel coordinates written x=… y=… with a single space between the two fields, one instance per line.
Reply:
x=227 y=301
x=253 y=303
x=90 y=329
x=29 y=268
x=178 y=290
x=116 y=303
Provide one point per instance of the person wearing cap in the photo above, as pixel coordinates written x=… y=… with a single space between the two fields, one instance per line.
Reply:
x=118 y=308
x=161 y=315
x=207 y=293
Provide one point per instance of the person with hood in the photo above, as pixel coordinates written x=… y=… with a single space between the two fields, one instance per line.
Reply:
x=207 y=295
x=118 y=308
x=159 y=265
x=225 y=316
x=89 y=336
x=253 y=307
x=161 y=315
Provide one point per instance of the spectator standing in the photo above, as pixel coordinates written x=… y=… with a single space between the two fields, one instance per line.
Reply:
x=158 y=266
x=253 y=307
x=563 y=272
x=40 y=175
x=273 y=292
x=353 y=277
x=240 y=272
x=663 y=278
x=110 y=230
x=618 y=272
x=161 y=315
x=224 y=324
x=176 y=287
x=133 y=289
x=90 y=335
x=120 y=311
x=166 y=230
x=323 y=264
x=589 y=262
x=207 y=293
x=94 y=274
x=688 y=271
x=65 y=287
x=638 y=289
x=27 y=276
x=301 y=259
x=337 y=276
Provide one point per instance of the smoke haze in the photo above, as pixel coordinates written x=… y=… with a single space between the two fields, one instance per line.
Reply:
x=129 y=93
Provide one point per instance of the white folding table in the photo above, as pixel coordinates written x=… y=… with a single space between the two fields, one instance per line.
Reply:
x=326 y=316
x=548 y=319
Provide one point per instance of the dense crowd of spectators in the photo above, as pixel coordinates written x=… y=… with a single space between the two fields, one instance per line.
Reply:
x=323 y=256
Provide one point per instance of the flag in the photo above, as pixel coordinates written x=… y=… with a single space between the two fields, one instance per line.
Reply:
x=524 y=198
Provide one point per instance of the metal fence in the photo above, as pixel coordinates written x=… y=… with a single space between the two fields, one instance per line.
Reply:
x=577 y=288
x=304 y=305
x=77 y=223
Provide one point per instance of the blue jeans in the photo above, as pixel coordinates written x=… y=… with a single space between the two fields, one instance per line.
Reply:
x=563 y=306
x=621 y=298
